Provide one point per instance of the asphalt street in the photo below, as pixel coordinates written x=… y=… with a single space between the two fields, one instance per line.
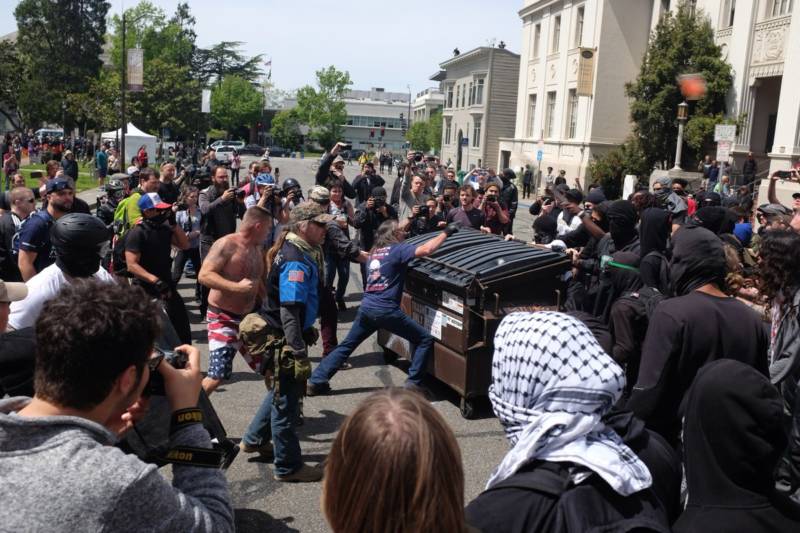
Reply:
x=265 y=505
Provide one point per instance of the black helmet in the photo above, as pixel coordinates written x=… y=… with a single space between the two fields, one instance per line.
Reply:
x=114 y=185
x=78 y=231
x=289 y=184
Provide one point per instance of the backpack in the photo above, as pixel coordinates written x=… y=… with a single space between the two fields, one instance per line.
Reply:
x=118 y=265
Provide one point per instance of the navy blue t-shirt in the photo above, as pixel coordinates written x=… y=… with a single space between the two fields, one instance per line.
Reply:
x=386 y=273
x=34 y=236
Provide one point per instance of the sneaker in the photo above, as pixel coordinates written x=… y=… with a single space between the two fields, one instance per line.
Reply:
x=317 y=390
x=304 y=474
x=341 y=305
x=266 y=450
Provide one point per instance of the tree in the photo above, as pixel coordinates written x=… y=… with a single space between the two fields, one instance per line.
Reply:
x=61 y=42
x=610 y=169
x=681 y=43
x=224 y=59
x=323 y=108
x=435 y=132
x=235 y=102
x=417 y=136
x=170 y=99
x=286 y=129
x=11 y=76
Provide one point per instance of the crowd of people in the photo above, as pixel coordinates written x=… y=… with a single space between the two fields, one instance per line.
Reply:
x=661 y=396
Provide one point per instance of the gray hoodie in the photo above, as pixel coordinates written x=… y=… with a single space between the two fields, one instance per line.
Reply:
x=62 y=473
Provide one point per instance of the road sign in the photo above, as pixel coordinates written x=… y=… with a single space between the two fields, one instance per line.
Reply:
x=724 y=150
x=539 y=155
x=725 y=132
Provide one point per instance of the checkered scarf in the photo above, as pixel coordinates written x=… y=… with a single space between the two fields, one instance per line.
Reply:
x=551 y=384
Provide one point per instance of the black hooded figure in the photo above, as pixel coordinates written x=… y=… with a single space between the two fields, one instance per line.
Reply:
x=699 y=325
x=654 y=232
x=622 y=235
x=733 y=437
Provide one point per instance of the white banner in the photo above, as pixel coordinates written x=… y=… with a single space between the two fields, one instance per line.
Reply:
x=135 y=70
x=725 y=132
x=724 y=150
x=205 y=106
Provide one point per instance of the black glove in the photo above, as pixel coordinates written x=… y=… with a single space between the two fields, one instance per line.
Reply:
x=451 y=228
x=162 y=288
x=310 y=336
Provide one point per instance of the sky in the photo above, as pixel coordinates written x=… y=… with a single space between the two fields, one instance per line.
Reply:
x=381 y=44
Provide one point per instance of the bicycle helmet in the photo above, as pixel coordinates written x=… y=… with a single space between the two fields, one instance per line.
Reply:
x=78 y=231
x=290 y=183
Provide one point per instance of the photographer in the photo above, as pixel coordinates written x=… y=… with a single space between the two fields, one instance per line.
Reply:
x=448 y=200
x=495 y=214
x=427 y=220
x=331 y=167
x=369 y=216
x=790 y=175
x=188 y=218
x=89 y=383
x=411 y=197
x=366 y=181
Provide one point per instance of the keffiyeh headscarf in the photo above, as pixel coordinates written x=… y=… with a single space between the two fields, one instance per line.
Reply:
x=551 y=385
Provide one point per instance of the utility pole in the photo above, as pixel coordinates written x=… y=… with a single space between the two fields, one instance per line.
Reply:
x=122 y=94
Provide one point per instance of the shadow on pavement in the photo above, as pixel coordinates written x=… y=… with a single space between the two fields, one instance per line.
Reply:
x=253 y=520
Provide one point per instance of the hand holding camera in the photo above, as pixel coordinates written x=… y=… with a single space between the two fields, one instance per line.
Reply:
x=791 y=175
x=182 y=378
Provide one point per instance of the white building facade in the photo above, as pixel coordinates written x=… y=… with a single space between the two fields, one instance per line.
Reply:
x=480 y=90
x=761 y=41
x=577 y=56
x=375 y=120
x=427 y=103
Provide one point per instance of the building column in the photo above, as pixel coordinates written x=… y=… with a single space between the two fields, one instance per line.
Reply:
x=747 y=105
x=786 y=147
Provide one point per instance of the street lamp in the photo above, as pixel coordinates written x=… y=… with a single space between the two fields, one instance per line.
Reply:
x=683 y=116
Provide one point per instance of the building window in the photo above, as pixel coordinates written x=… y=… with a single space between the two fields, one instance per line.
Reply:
x=550 y=114
x=727 y=14
x=458 y=95
x=578 y=28
x=537 y=37
x=450 y=97
x=476 y=133
x=781 y=7
x=464 y=95
x=556 y=34
x=572 y=113
x=447 y=132
x=471 y=93
x=531 y=115
x=479 y=92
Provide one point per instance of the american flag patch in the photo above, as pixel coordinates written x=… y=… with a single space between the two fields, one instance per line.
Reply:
x=296 y=275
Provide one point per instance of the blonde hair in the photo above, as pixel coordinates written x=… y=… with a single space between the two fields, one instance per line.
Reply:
x=394 y=467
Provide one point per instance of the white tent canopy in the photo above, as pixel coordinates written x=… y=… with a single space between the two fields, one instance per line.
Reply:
x=134 y=139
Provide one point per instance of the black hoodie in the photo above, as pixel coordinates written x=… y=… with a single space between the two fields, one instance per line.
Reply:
x=733 y=438
x=654 y=232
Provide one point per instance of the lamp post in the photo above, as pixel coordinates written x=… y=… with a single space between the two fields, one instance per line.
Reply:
x=683 y=116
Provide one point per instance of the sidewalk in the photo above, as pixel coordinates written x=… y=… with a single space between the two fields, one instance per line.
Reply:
x=90 y=196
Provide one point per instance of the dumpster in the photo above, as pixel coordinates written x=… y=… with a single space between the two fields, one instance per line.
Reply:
x=460 y=293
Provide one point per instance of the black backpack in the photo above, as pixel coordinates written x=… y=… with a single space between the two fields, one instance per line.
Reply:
x=118 y=265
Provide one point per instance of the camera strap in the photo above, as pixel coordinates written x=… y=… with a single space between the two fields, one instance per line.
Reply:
x=191 y=456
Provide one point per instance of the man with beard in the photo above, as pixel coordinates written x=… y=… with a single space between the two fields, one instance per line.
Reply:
x=34 y=249
x=147 y=255
x=77 y=240
x=366 y=181
x=699 y=325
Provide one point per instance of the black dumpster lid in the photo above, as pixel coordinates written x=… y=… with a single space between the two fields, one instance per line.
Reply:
x=470 y=254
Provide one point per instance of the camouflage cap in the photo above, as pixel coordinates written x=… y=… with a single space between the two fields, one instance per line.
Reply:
x=309 y=211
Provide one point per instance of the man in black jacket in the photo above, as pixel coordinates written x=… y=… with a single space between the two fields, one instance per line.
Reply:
x=22 y=204
x=366 y=181
x=509 y=196
x=332 y=168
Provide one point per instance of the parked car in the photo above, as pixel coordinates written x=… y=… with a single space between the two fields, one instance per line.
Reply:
x=252 y=149
x=217 y=144
x=277 y=151
x=224 y=153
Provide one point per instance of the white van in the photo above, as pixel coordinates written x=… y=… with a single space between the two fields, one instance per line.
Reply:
x=46 y=132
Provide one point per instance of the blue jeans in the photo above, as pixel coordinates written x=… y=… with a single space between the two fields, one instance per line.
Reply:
x=368 y=321
x=336 y=265
x=274 y=420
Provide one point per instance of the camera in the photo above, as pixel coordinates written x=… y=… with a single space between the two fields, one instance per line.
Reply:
x=181 y=206
x=447 y=198
x=378 y=202
x=347 y=146
x=491 y=198
x=424 y=211
x=786 y=174
x=178 y=359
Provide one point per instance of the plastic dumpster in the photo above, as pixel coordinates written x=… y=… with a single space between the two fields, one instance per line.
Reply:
x=461 y=292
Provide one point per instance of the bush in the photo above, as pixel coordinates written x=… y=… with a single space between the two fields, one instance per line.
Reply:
x=610 y=169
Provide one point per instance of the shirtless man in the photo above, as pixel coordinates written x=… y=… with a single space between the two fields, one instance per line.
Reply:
x=233 y=270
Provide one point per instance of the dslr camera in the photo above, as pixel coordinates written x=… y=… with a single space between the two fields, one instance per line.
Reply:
x=178 y=359
x=424 y=211
x=491 y=198
x=378 y=202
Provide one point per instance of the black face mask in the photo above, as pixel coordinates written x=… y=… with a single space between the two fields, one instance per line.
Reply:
x=79 y=265
x=157 y=220
x=621 y=234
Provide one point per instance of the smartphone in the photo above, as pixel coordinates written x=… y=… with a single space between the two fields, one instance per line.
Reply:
x=784 y=174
